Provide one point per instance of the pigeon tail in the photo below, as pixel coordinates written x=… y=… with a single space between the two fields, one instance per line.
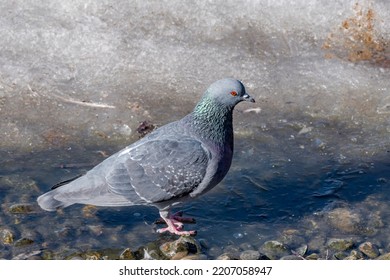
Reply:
x=48 y=202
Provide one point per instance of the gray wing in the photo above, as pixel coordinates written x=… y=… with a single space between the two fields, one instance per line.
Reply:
x=158 y=170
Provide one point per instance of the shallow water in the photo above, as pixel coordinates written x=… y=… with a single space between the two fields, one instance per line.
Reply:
x=272 y=192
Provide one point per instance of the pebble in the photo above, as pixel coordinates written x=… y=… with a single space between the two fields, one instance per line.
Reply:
x=96 y=230
x=180 y=255
x=195 y=257
x=246 y=246
x=24 y=241
x=292 y=238
x=312 y=256
x=291 y=257
x=6 y=236
x=369 y=249
x=274 y=249
x=127 y=254
x=233 y=251
x=21 y=208
x=344 y=220
x=226 y=256
x=384 y=257
x=340 y=255
x=354 y=255
x=340 y=244
x=301 y=251
x=182 y=246
x=18 y=182
x=250 y=255
x=203 y=243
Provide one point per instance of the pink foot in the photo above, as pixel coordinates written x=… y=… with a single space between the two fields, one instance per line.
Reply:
x=175 y=223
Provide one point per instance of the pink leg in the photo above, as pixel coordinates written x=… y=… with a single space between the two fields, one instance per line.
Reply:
x=175 y=224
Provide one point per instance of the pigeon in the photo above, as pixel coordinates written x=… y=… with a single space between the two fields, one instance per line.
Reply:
x=172 y=164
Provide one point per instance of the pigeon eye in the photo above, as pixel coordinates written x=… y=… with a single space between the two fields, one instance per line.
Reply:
x=234 y=93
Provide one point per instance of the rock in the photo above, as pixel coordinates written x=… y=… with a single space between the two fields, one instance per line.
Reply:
x=292 y=238
x=292 y=257
x=312 y=256
x=301 y=251
x=340 y=255
x=317 y=243
x=340 y=244
x=96 y=230
x=375 y=220
x=215 y=251
x=21 y=208
x=274 y=249
x=344 y=220
x=34 y=255
x=179 y=255
x=250 y=255
x=127 y=254
x=369 y=249
x=6 y=236
x=233 y=251
x=48 y=255
x=92 y=256
x=150 y=252
x=64 y=232
x=384 y=257
x=24 y=241
x=89 y=211
x=184 y=245
x=354 y=255
x=246 y=246
x=195 y=257
x=226 y=256
x=203 y=243
x=18 y=182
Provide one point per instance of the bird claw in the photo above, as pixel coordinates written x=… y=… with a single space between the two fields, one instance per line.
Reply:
x=177 y=231
x=175 y=224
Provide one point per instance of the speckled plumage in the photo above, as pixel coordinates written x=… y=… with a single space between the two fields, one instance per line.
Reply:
x=180 y=160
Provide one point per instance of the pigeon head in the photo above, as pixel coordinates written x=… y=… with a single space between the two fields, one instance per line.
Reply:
x=228 y=92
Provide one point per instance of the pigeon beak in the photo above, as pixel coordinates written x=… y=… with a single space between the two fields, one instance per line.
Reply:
x=248 y=98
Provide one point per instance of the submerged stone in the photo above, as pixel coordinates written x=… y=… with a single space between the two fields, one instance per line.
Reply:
x=369 y=249
x=127 y=254
x=181 y=247
x=250 y=255
x=21 y=208
x=312 y=256
x=292 y=257
x=195 y=257
x=226 y=256
x=17 y=181
x=301 y=251
x=274 y=249
x=24 y=241
x=344 y=219
x=355 y=255
x=340 y=255
x=340 y=244
x=6 y=236
x=384 y=257
x=233 y=252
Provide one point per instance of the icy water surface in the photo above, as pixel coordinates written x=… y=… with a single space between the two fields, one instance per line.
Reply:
x=291 y=189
